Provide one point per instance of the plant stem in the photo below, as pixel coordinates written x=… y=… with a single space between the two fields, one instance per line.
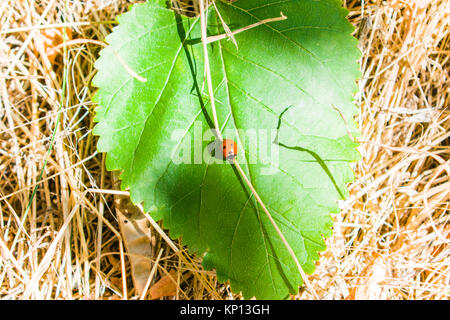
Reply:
x=277 y=229
x=232 y=33
x=205 y=40
x=207 y=69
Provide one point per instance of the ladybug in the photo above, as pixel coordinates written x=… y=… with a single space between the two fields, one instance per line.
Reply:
x=229 y=149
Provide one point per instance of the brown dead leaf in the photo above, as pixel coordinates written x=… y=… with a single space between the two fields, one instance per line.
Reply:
x=165 y=287
x=137 y=236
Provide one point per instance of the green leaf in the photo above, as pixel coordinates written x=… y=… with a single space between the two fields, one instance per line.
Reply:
x=292 y=80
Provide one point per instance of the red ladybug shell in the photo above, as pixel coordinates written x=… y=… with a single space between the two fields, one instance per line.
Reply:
x=229 y=149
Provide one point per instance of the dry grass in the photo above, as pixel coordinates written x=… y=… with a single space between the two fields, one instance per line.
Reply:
x=390 y=240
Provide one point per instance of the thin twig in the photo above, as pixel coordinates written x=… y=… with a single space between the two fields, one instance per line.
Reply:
x=228 y=32
x=152 y=274
x=277 y=229
x=207 y=69
x=211 y=95
x=130 y=71
x=223 y=36
x=55 y=26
